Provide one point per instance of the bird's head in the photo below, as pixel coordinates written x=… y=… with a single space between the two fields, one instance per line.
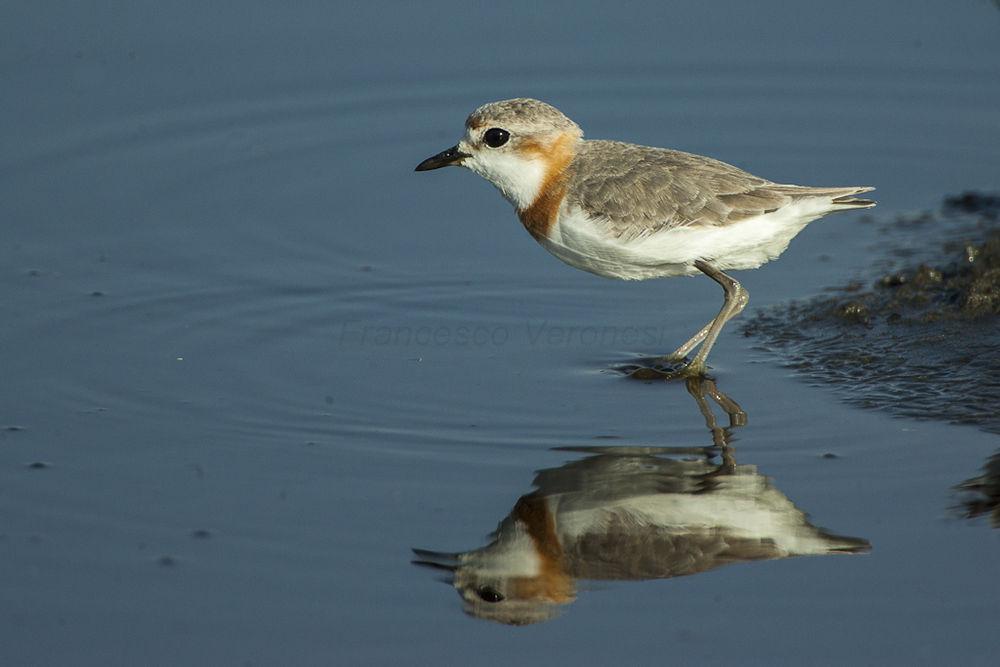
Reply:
x=517 y=145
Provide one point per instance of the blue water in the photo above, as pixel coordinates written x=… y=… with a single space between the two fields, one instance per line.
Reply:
x=230 y=306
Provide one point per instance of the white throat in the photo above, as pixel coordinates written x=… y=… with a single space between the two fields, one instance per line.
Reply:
x=519 y=179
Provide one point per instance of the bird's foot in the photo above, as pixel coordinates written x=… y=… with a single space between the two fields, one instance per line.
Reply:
x=695 y=369
x=664 y=368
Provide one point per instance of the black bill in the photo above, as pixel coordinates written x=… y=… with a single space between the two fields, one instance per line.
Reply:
x=443 y=159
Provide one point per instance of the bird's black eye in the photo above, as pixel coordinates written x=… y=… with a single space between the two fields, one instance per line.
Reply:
x=495 y=137
x=486 y=593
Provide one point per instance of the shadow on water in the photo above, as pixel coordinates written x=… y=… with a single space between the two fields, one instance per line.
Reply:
x=632 y=513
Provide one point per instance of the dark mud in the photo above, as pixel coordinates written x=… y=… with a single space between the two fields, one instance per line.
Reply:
x=922 y=339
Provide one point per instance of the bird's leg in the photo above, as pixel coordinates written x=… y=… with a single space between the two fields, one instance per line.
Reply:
x=701 y=387
x=737 y=416
x=735 y=301
x=683 y=350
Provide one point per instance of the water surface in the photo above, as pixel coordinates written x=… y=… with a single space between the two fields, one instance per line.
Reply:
x=251 y=359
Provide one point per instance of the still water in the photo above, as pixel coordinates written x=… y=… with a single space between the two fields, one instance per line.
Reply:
x=250 y=360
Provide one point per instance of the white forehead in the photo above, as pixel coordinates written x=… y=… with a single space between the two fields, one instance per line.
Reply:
x=522 y=116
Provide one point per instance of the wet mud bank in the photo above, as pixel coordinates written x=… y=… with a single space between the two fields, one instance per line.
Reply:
x=921 y=336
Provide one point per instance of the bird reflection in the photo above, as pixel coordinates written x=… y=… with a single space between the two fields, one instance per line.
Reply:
x=632 y=513
x=981 y=495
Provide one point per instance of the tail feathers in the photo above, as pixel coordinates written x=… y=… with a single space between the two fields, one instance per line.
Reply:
x=855 y=202
x=841 y=198
x=842 y=544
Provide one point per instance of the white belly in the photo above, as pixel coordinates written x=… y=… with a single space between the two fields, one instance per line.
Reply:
x=587 y=245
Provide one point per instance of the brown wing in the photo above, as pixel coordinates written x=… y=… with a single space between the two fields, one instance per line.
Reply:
x=638 y=190
x=624 y=552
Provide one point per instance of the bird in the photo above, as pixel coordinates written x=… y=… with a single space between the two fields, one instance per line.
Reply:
x=633 y=212
x=628 y=514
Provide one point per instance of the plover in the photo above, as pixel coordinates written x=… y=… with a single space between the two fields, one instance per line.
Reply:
x=635 y=212
x=631 y=513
